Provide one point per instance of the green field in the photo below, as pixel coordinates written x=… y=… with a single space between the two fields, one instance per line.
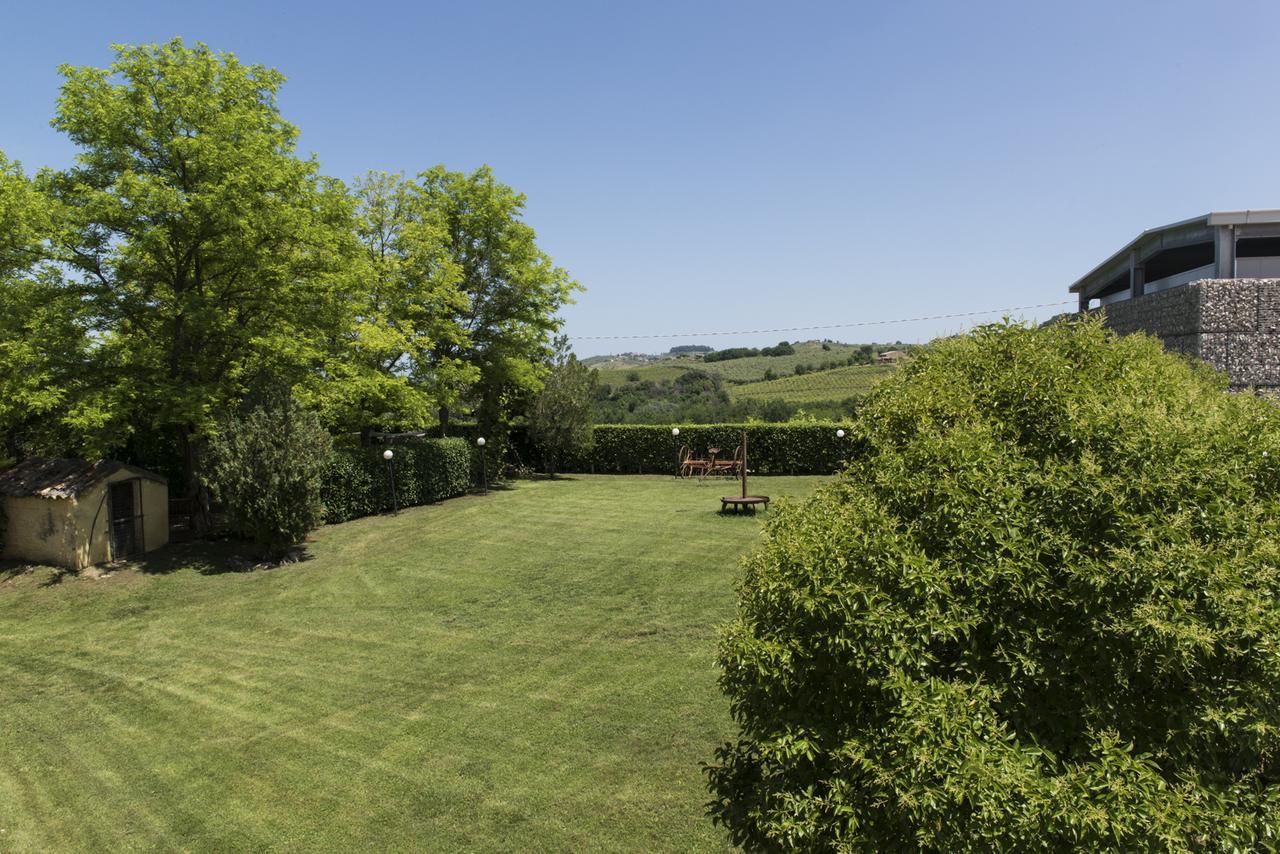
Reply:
x=527 y=670
x=823 y=386
x=752 y=368
x=745 y=370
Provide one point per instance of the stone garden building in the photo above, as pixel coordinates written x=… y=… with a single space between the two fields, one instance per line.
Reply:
x=1207 y=286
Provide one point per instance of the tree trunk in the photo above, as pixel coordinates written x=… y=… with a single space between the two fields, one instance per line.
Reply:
x=444 y=422
x=196 y=493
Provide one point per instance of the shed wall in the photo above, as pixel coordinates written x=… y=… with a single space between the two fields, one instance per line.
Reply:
x=40 y=530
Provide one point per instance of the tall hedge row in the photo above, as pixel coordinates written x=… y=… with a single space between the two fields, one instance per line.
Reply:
x=771 y=448
x=357 y=481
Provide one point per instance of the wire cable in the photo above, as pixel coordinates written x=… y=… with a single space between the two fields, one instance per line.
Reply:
x=826 y=326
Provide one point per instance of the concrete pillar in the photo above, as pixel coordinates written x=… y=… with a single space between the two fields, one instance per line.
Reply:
x=1084 y=302
x=1225 y=252
x=1137 y=275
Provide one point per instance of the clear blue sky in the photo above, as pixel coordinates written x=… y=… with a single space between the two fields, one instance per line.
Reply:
x=744 y=165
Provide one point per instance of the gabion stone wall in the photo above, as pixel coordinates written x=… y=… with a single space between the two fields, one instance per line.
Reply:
x=1233 y=324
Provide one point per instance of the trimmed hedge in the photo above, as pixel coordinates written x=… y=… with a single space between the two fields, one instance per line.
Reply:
x=771 y=448
x=357 y=481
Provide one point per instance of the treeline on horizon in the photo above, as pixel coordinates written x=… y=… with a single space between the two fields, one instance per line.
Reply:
x=192 y=264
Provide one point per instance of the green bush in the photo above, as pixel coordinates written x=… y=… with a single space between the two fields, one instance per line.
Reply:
x=4 y=524
x=807 y=448
x=357 y=481
x=1038 y=612
x=265 y=469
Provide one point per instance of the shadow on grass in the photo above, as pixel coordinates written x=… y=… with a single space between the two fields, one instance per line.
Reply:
x=206 y=557
x=493 y=487
x=211 y=557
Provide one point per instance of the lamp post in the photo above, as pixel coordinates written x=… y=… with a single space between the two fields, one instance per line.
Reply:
x=839 y=434
x=680 y=462
x=484 y=467
x=391 y=471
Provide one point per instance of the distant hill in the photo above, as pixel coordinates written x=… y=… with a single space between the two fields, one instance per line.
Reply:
x=620 y=368
x=820 y=387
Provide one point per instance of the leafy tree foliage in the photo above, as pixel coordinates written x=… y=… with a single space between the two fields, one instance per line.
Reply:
x=404 y=303
x=1037 y=612
x=512 y=292
x=42 y=335
x=191 y=263
x=267 y=468
x=207 y=251
x=561 y=420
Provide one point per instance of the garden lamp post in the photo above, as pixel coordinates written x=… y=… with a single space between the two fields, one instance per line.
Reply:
x=391 y=472
x=839 y=434
x=675 y=433
x=484 y=467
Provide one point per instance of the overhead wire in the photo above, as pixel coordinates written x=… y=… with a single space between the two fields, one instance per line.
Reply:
x=823 y=326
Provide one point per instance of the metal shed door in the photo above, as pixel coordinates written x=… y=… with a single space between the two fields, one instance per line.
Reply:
x=126 y=518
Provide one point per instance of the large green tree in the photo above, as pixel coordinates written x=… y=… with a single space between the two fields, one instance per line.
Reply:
x=42 y=339
x=403 y=303
x=210 y=253
x=512 y=292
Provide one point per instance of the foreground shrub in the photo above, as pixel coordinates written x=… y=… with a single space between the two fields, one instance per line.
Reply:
x=265 y=469
x=561 y=419
x=1038 y=612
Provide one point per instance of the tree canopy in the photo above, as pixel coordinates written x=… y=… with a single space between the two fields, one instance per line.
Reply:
x=193 y=262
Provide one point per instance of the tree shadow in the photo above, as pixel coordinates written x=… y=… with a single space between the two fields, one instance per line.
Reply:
x=212 y=557
x=493 y=487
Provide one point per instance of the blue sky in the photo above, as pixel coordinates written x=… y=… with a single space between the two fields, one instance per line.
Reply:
x=742 y=165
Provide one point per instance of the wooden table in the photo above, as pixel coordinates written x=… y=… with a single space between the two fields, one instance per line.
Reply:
x=743 y=502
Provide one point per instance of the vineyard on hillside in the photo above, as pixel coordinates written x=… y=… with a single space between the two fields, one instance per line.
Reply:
x=833 y=385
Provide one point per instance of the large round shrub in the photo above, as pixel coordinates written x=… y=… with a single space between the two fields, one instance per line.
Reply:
x=1037 y=612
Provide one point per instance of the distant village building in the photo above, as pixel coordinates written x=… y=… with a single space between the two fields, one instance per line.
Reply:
x=1207 y=286
x=75 y=513
x=891 y=357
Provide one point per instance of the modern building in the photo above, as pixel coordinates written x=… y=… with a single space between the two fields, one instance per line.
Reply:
x=1221 y=245
x=75 y=513
x=1208 y=287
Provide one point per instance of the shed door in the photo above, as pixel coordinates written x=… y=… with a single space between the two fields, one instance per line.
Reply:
x=126 y=518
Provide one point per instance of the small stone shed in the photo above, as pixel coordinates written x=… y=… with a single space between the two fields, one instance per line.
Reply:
x=76 y=513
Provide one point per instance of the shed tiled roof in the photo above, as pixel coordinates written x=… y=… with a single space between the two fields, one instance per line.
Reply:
x=44 y=477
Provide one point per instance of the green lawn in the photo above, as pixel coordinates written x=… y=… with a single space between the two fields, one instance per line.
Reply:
x=532 y=669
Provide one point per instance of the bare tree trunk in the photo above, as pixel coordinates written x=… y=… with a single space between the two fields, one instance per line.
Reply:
x=444 y=422
x=197 y=493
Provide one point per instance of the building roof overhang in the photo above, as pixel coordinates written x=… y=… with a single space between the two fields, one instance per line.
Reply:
x=1268 y=216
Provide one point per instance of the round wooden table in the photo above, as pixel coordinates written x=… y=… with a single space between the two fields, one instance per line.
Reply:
x=743 y=502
